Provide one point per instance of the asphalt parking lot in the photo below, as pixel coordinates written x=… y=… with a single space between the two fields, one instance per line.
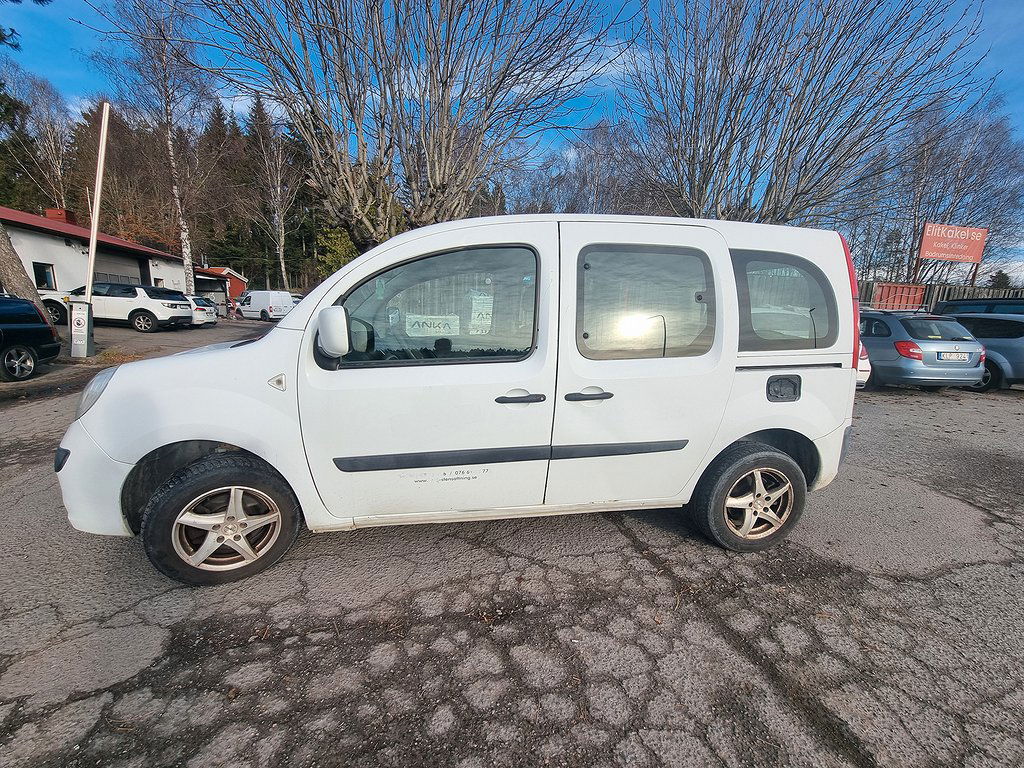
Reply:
x=887 y=631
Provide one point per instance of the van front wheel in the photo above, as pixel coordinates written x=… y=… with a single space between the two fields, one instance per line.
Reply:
x=749 y=498
x=220 y=519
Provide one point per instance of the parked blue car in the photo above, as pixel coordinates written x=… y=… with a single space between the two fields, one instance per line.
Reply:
x=926 y=351
x=1003 y=337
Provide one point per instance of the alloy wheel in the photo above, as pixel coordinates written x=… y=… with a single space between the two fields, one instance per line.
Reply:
x=19 y=363
x=143 y=322
x=759 y=503
x=226 y=528
x=986 y=377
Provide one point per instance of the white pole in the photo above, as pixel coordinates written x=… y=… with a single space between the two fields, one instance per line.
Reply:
x=95 y=228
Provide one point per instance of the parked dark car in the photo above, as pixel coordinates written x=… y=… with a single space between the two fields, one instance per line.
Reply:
x=1003 y=337
x=26 y=339
x=1003 y=306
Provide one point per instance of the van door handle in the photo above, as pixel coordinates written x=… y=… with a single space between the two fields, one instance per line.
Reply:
x=575 y=397
x=521 y=399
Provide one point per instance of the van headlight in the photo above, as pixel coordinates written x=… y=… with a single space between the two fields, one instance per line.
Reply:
x=93 y=390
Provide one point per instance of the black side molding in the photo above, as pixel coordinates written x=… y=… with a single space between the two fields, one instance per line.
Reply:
x=442 y=458
x=614 y=449
x=500 y=455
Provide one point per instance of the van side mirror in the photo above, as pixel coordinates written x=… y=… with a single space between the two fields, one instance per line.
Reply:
x=332 y=330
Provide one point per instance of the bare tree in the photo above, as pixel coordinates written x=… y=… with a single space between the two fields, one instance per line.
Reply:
x=278 y=179
x=769 y=110
x=152 y=77
x=49 y=128
x=408 y=107
x=960 y=165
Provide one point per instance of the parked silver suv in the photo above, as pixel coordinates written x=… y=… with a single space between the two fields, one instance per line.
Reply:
x=927 y=351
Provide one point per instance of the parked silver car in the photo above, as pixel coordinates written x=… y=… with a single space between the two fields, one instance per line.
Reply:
x=1003 y=337
x=927 y=351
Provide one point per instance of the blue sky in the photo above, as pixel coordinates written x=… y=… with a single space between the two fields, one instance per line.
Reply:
x=55 y=46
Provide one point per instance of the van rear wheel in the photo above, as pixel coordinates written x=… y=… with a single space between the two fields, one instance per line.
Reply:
x=749 y=498
x=220 y=519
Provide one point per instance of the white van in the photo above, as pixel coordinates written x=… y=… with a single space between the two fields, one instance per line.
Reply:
x=490 y=368
x=265 y=305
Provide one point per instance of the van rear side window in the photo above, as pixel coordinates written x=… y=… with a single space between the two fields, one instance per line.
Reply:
x=785 y=303
x=636 y=301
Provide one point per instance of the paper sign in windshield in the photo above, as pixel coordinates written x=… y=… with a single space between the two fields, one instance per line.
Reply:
x=432 y=325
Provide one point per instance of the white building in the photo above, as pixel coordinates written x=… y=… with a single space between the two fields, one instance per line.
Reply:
x=54 y=251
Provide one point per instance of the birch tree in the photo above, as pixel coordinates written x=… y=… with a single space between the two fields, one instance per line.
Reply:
x=770 y=110
x=45 y=145
x=408 y=107
x=277 y=179
x=152 y=77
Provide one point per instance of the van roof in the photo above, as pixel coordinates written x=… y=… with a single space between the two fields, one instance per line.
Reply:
x=738 y=234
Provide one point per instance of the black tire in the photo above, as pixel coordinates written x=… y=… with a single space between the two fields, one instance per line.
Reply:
x=993 y=378
x=872 y=384
x=18 y=362
x=143 y=321
x=57 y=312
x=207 y=475
x=264 y=316
x=734 y=465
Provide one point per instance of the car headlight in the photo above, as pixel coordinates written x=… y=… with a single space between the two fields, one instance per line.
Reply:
x=93 y=390
x=169 y=305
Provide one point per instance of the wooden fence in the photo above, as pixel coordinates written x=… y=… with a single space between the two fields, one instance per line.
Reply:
x=880 y=295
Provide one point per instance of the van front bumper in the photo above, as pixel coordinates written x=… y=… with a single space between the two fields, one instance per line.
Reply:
x=90 y=482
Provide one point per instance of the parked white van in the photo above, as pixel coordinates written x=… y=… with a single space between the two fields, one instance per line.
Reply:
x=265 y=305
x=490 y=368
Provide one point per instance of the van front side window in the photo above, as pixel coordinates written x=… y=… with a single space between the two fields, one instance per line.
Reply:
x=638 y=301
x=474 y=304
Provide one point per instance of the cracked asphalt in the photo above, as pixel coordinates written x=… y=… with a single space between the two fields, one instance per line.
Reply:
x=887 y=631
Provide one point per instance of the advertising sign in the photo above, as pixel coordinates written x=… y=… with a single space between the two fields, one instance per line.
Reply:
x=944 y=242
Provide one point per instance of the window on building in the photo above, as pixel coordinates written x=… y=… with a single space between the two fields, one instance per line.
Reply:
x=785 y=302
x=44 y=276
x=474 y=304
x=637 y=301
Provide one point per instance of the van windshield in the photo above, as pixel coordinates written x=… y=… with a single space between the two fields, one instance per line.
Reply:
x=932 y=329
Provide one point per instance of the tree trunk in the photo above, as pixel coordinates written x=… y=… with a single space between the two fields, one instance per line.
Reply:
x=279 y=237
x=179 y=211
x=13 y=276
